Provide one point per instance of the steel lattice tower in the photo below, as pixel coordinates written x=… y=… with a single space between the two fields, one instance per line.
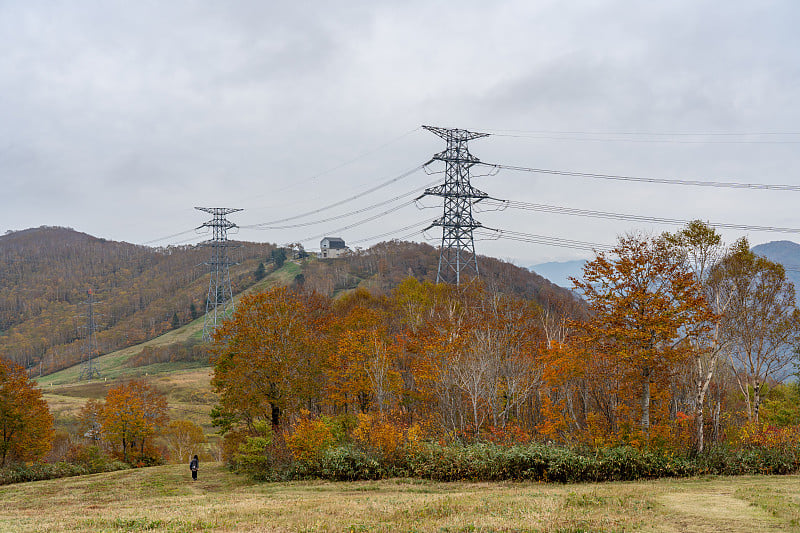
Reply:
x=457 y=257
x=88 y=369
x=219 y=303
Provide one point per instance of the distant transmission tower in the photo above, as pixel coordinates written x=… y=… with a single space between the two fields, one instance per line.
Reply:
x=88 y=368
x=219 y=303
x=457 y=260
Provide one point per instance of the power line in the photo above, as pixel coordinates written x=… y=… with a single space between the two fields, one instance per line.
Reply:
x=393 y=232
x=560 y=210
x=340 y=202
x=698 y=183
x=549 y=241
x=647 y=133
x=360 y=222
x=652 y=137
x=169 y=236
x=345 y=163
x=337 y=217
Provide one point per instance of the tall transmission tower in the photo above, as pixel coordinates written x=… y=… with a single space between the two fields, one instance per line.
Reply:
x=88 y=368
x=457 y=259
x=219 y=303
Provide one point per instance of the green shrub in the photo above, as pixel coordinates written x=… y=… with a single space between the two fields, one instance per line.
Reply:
x=21 y=473
x=726 y=460
x=536 y=462
x=533 y=462
x=253 y=456
x=349 y=463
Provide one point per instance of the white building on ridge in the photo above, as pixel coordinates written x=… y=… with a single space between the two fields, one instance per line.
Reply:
x=331 y=247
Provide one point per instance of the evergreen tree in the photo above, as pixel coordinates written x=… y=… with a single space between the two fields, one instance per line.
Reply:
x=278 y=256
x=193 y=311
x=260 y=272
x=176 y=322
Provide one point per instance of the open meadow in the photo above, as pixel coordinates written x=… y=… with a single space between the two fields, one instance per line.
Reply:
x=165 y=499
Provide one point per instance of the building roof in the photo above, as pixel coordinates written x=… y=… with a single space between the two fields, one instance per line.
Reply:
x=334 y=242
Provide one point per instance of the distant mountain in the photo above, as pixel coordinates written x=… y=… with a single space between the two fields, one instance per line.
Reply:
x=559 y=272
x=786 y=253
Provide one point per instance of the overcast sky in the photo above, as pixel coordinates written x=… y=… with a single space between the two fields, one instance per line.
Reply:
x=117 y=118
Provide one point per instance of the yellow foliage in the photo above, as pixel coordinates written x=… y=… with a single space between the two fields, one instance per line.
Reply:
x=309 y=438
x=382 y=435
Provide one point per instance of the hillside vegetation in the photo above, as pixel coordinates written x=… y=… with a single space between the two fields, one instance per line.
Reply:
x=45 y=274
x=175 y=362
x=145 y=292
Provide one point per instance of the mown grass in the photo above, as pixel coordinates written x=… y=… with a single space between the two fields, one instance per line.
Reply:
x=165 y=499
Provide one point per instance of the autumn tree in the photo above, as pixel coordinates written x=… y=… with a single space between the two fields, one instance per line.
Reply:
x=497 y=366
x=26 y=425
x=644 y=303
x=267 y=356
x=183 y=438
x=702 y=250
x=362 y=368
x=132 y=413
x=468 y=355
x=90 y=420
x=762 y=323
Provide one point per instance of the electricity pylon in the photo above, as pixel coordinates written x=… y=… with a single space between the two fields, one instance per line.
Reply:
x=457 y=259
x=219 y=303
x=88 y=368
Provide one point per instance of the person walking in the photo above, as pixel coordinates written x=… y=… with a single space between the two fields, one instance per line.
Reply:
x=194 y=466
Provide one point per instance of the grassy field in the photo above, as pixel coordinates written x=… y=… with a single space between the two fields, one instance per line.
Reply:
x=165 y=499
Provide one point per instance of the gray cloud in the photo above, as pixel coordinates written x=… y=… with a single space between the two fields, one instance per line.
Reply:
x=118 y=117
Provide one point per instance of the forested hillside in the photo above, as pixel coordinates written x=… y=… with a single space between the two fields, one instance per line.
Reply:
x=383 y=266
x=45 y=274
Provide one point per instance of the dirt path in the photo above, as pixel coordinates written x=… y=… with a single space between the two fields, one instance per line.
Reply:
x=721 y=510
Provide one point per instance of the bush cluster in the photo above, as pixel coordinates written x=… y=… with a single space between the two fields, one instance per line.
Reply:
x=534 y=462
x=21 y=472
x=537 y=462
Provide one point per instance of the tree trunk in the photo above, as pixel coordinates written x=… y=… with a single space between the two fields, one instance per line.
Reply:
x=700 y=428
x=646 y=401
x=276 y=416
x=756 y=401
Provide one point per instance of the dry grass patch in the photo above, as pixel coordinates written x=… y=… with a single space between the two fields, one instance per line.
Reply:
x=165 y=499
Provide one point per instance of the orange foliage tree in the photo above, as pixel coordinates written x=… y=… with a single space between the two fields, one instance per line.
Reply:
x=362 y=368
x=26 y=425
x=131 y=414
x=267 y=358
x=644 y=304
x=470 y=355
